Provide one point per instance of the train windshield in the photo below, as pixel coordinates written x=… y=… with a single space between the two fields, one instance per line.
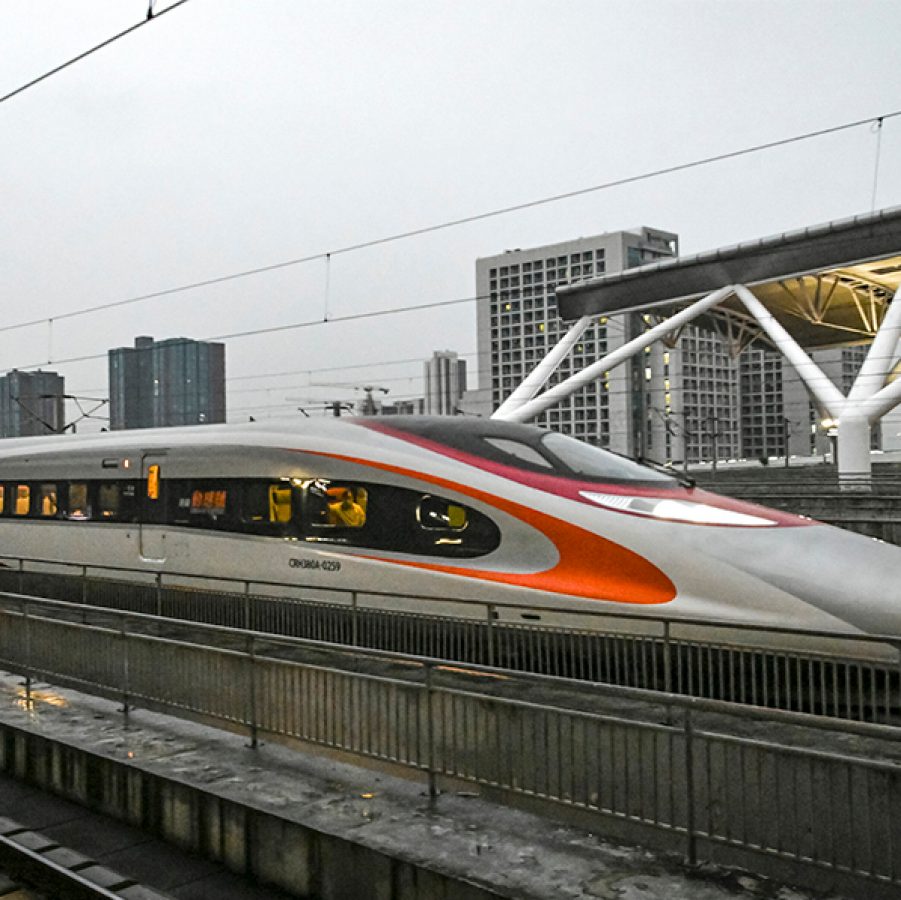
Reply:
x=527 y=447
x=593 y=462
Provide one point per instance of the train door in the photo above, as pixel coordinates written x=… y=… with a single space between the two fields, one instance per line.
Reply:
x=153 y=507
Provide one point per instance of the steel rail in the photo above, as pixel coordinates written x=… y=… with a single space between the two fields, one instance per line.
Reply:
x=42 y=873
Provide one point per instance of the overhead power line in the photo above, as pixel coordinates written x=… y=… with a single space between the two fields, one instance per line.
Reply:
x=151 y=17
x=272 y=329
x=453 y=223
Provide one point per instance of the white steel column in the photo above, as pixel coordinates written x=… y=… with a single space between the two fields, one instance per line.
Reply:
x=882 y=402
x=540 y=374
x=881 y=358
x=811 y=374
x=866 y=403
x=557 y=393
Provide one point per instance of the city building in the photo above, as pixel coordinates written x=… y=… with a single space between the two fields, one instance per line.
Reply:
x=414 y=407
x=518 y=324
x=445 y=383
x=31 y=403
x=697 y=397
x=155 y=384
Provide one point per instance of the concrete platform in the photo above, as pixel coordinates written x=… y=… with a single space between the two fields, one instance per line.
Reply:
x=319 y=827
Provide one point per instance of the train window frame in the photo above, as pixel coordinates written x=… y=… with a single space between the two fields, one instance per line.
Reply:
x=72 y=489
x=522 y=453
x=337 y=520
x=48 y=500
x=394 y=524
x=449 y=526
x=106 y=512
x=255 y=506
x=18 y=510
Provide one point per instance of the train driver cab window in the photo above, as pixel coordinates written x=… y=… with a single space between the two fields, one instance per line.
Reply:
x=49 y=502
x=23 y=499
x=109 y=500
x=435 y=514
x=79 y=503
x=337 y=505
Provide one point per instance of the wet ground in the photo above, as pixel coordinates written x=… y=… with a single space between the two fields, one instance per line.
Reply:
x=515 y=853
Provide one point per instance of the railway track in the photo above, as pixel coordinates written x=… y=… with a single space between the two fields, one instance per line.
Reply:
x=52 y=848
x=35 y=867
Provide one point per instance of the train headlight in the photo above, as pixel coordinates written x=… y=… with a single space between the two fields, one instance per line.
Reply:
x=673 y=510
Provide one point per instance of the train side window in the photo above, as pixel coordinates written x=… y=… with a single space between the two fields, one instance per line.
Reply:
x=208 y=502
x=49 y=501
x=79 y=501
x=109 y=500
x=336 y=505
x=435 y=514
x=280 y=504
x=23 y=499
x=267 y=507
x=201 y=504
x=447 y=528
x=2 y=499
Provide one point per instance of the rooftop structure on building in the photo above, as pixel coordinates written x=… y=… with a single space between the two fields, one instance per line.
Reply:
x=156 y=384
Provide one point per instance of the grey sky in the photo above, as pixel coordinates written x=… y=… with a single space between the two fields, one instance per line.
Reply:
x=227 y=136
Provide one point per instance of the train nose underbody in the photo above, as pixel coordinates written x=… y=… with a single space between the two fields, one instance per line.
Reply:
x=853 y=578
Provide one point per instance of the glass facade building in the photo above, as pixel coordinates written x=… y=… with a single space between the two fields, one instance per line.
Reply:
x=156 y=384
x=31 y=403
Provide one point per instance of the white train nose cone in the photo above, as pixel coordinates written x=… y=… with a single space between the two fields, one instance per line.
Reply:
x=853 y=578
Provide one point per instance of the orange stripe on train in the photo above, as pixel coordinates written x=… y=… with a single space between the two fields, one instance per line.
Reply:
x=589 y=566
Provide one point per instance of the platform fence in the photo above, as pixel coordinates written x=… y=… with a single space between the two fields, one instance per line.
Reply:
x=856 y=677
x=680 y=779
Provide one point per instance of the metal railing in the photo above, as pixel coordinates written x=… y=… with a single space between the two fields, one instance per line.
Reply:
x=858 y=679
x=687 y=780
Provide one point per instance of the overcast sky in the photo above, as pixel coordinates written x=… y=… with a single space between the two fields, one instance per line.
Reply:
x=227 y=136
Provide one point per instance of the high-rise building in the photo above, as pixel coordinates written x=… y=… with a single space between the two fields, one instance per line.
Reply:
x=518 y=324
x=445 y=383
x=694 y=398
x=178 y=381
x=31 y=403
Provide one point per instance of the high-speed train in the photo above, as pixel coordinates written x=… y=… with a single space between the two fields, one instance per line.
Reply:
x=441 y=508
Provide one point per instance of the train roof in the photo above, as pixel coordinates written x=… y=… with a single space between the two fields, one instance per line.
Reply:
x=487 y=443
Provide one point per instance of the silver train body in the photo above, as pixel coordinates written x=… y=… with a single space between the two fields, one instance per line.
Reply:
x=441 y=510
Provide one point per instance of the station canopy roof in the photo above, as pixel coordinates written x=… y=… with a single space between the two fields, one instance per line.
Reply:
x=828 y=285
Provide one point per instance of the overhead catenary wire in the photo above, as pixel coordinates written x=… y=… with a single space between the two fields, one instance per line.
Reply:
x=71 y=62
x=327 y=255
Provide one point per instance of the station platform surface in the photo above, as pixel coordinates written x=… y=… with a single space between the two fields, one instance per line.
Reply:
x=503 y=851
